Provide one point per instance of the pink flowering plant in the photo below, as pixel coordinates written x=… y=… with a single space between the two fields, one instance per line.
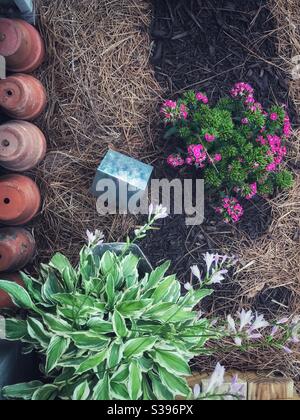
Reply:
x=238 y=146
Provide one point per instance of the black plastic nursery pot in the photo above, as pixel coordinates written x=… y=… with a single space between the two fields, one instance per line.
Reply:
x=144 y=265
x=14 y=366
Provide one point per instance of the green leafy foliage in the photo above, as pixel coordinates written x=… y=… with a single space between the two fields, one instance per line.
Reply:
x=237 y=146
x=104 y=331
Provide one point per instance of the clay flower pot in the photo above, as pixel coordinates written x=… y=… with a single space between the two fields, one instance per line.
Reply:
x=20 y=200
x=22 y=97
x=21 y=45
x=22 y=146
x=5 y=300
x=17 y=248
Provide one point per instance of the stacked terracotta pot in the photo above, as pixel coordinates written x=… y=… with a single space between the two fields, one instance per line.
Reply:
x=22 y=145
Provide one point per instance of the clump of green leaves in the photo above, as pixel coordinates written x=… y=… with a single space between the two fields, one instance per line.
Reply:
x=106 y=331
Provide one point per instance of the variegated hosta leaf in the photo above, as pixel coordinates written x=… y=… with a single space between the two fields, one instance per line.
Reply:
x=57 y=347
x=135 y=381
x=21 y=391
x=92 y=362
x=18 y=294
x=81 y=392
x=15 y=329
x=102 y=391
x=138 y=346
x=174 y=383
x=174 y=363
x=119 y=324
x=45 y=393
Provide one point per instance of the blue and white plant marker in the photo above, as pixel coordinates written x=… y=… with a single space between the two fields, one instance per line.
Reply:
x=126 y=172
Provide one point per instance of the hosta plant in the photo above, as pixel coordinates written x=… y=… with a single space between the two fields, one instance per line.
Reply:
x=105 y=331
x=237 y=146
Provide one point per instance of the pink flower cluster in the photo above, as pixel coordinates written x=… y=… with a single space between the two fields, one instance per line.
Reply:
x=202 y=98
x=277 y=152
x=245 y=121
x=231 y=209
x=253 y=192
x=274 y=116
x=287 y=126
x=256 y=106
x=209 y=137
x=183 y=112
x=172 y=111
x=196 y=155
x=175 y=161
x=243 y=90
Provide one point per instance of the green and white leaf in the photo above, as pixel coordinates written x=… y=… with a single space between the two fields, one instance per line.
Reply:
x=138 y=346
x=119 y=324
x=135 y=381
x=57 y=348
x=45 y=393
x=18 y=294
x=89 y=340
x=174 y=383
x=101 y=391
x=23 y=391
x=15 y=329
x=82 y=392
x=37 y=331
x=92 y=361
x=172 y=362
x=115 y=355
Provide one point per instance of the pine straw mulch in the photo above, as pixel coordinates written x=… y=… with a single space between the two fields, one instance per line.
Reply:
x=102 y=93
x=272 y=262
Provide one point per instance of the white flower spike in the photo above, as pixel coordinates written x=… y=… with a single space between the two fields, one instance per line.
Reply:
x=196 y=272
x=217 y=379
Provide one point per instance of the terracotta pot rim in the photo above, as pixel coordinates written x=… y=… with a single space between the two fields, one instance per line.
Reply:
x=29 y=209
x=17 y=33
x=40 y=51
x=20 y=246
x=28 y=149
x=21 y=84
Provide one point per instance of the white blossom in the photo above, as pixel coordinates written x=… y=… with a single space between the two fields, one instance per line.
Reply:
x=287 y=350
x=238 y=341
x=245 y=319
x=217 y=277
x=196 y=272
x=217 y=379
x=96 y=238
x=209 y=260
x=283 y=321
x=197 y=391
x=188 y=287
x=231 y=324
x=160 y=212
x=259 y=323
